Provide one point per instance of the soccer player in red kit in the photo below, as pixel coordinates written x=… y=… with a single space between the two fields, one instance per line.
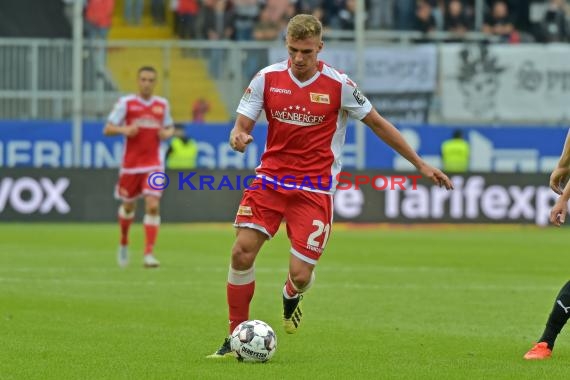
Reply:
x=144 y=120
x=307 y=104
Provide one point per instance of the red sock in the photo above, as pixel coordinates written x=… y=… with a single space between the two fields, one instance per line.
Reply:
x=239 y=297
x=151 y=224
x=125 y=220
x=290 y=288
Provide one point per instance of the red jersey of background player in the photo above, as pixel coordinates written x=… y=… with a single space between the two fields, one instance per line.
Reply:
x=307 y=122
x=142 y=151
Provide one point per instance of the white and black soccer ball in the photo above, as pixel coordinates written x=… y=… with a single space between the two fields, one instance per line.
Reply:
x=254 y=341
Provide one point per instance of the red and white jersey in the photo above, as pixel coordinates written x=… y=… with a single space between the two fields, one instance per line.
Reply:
x=307 y=122
x=142 y=151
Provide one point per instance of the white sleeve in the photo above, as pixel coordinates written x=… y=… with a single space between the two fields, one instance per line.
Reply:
x=167 y=121
x=353 y=100
x=117 y=115
x=251 y=102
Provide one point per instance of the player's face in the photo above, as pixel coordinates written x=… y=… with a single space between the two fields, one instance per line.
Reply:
x=303 y=55
x=146 y=82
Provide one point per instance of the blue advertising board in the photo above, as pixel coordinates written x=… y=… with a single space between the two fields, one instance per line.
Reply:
x=520 y=149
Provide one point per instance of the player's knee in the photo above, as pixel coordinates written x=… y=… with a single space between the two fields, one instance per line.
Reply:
x=242 y=256
x=152 y=208
x=154 y=211
x=128 y=207
x=301 y=278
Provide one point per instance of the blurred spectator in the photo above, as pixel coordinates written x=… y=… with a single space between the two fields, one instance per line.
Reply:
x=331 y=8
x=186 y=12
x=217 y=23
x=308 y=6
x=500 y=23
x=346 y=15
x=199 y=110
x=405 y=14
x=313 y=7
x=381 y=14
x=246 y=12
x=158 y=12
x=319 y=13
x=98 y=18
x=268 y=28
x=290 y=12
x=425 y=20
x=554 y=25
x=521 y=13
x=279 y=8
x=469 y=11
x=438 y=8
x=455 y=153
x=133 y=10
x=182 y=152
x=455 y=18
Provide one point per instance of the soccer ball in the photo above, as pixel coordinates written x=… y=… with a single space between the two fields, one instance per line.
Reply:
x=254 y=341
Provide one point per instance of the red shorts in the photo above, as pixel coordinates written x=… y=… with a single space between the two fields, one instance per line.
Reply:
x=132 y=186
x=308 y=215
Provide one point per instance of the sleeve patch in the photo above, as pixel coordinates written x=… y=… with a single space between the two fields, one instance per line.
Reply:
x=247 y=95
x=360 y=99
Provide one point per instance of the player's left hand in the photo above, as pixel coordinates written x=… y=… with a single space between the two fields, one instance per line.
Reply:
x=558 y=212
x=436 y=176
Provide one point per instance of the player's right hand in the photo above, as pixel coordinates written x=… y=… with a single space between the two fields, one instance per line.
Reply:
x=558 y=212
x=130 y=130
x=240 y=140
x=558 y=179
x=436 y=176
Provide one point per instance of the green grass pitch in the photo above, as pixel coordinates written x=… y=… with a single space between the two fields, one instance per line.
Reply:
x=388 y=303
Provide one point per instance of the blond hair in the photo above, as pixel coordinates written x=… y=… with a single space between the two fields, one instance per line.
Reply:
x=304 y=26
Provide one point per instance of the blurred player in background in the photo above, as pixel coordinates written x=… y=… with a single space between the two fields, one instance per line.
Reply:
x=307 y=104
x=561 y=309
x=144 y=120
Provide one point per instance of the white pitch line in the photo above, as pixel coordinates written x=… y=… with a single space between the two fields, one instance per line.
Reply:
x=265 y=284
x=258 y=269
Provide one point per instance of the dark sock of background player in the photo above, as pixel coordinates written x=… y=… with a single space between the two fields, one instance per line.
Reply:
x=558 y=316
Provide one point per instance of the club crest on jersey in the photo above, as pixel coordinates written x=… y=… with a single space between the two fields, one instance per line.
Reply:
x=246 y=95
x=320 y=98
x=360 y=98
x=158 y=110
x=245 y=211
